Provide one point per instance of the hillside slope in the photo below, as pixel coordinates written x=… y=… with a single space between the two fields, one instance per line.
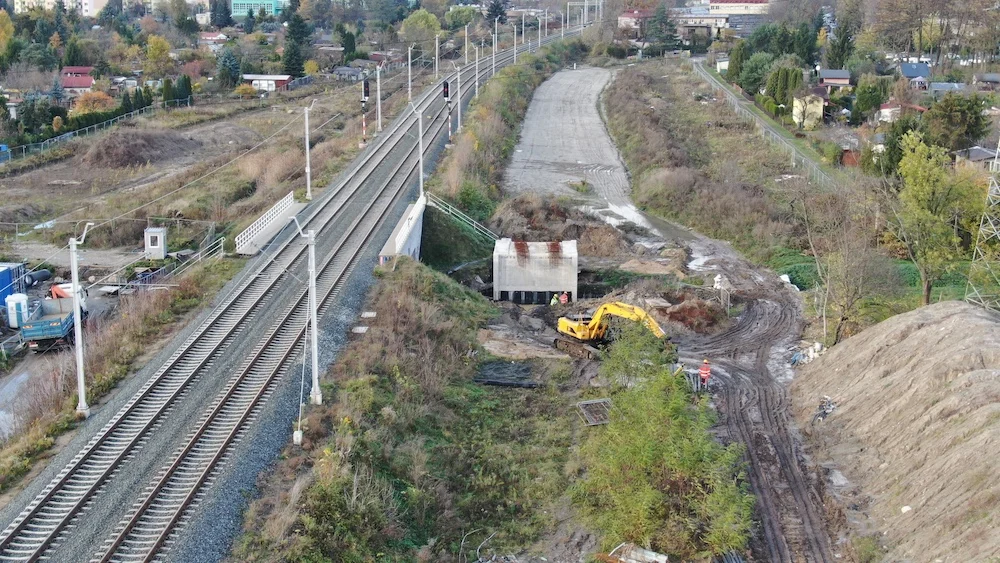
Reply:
x=917 y=424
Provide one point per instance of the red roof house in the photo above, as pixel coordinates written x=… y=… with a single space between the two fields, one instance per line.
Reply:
x=76 y=79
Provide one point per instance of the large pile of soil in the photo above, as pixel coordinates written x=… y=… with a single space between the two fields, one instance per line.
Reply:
x=916 y=430
x=136 y=147
x=532 y=218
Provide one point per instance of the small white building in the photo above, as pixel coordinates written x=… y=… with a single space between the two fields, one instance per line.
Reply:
x=531 y=272
x=156 y=243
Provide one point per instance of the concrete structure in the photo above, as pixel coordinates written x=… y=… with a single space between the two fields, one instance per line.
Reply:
x=531 y=272
x=271 y=7
x=405 y=238
x=833 y=78
x=734 y=7
x=267 y=82
x=156 y=243
x=260 y=232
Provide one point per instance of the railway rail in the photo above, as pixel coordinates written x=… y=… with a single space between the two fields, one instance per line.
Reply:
x=54 y=513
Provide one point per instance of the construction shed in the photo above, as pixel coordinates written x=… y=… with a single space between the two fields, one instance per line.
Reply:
x=531 y=272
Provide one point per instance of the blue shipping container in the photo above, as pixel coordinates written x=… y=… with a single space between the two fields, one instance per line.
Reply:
x=11 y=279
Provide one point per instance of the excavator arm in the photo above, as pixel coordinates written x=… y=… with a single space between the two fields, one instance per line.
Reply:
x=595 y=327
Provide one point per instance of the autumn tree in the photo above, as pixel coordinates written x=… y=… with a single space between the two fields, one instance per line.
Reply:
x=933 y=207
x=420 y=27
x=93 y=101
x=158 y=62
x=245 y=91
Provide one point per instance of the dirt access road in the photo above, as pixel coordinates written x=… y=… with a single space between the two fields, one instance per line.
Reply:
x=564 y=141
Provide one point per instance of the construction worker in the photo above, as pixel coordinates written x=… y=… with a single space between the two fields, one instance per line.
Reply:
x=554 y=301
x=704 y=372
x=564 y=298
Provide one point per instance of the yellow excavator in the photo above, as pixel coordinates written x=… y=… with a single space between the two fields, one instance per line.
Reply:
x=585 y=332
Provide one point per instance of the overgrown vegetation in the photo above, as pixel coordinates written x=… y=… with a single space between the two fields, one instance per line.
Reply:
x=411 y=455
x=472 y=174
x=48 y=406
x=655 y=475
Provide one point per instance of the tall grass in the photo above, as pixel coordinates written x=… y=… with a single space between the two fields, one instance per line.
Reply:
x=412 y=454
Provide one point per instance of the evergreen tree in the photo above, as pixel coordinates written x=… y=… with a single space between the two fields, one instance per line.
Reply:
x=737 y=57
x=57 y=93
x=249 y=22
x=72 y=54
x=805 y=44
x=137 y=101
x=781 y=90
x=349 y=43
x=168 y=91
x=293 y=60
x=126 y=104
x=183 y=89
x=662 y=32
x=221 y=16
x=298 y=31
x=497 y=8
x=262 y=15
x=147 y=96
x=227 y=69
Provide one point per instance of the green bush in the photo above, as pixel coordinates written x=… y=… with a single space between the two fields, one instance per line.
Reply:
x=655 y=475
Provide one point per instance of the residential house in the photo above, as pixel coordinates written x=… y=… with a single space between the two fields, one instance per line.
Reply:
x=211 y=40
x=267 y=82
x=891 y=110
x=938 y=89
x=633 y=22
x=808 y=109
x=914 y=70
x=348 y=73
x=833 y=78
x=976 y=158
x=986 y=82
x=76 y=80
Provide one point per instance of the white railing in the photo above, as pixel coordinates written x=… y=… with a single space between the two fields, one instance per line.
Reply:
x=244 y=239
x=435 y=201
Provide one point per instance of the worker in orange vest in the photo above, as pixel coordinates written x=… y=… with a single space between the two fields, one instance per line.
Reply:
x=564 y=298
x=704 y=372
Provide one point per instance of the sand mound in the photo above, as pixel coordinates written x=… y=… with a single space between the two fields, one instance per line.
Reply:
x=917 y=425
x=135 y=147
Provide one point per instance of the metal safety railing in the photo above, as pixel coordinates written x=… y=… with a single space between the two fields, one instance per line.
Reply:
x=457 y=214
x=244 y=239
x=798 y=160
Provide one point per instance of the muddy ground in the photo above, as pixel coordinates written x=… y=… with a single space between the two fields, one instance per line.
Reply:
x=566 y=155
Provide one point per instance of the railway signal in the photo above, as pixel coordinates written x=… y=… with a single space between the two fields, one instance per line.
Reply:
x=365 y=91
x=444 y=91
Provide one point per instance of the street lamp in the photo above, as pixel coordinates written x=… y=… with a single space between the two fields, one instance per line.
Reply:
x=494 y=55
x=316 y=394
x=539 y=34
x=477 y=68
x=466 y=43
x=74 y=264
x=514 y=27
x=420 y=144
x=309 y=193
x=436 y=51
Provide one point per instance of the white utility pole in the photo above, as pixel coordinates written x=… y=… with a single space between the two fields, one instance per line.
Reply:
x=539 y=34
x=477 y=71
x=562 y=26
x=74 y=265
x=409 y=73
x=522 y=27
x=458 y=86
x=378 y=95
x=546 y=22
x=494 y=55
x=309 y=193
x=316 y=394
x=420 y=144
x=437 y=41
x=514 y=26
x=466 y=43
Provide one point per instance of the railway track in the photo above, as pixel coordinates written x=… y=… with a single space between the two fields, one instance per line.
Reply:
x=755 y=413
x=48 y=519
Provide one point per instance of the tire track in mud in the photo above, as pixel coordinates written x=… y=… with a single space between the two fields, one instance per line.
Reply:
x=754 y=409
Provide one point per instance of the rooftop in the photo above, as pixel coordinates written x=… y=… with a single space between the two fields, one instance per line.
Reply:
x=976 y=154
x=738 y=1
x=81 y=70
x=835 y=74
x=77 y=81
x=267 y=77
x=915 y=70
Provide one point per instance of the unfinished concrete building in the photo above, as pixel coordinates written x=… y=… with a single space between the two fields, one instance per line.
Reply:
x=531 y=272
